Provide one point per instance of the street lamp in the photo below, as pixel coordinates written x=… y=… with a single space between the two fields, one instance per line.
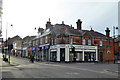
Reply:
x=114 y=28
x=7 y=41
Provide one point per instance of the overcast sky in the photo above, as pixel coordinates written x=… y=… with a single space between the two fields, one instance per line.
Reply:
x=25 y=15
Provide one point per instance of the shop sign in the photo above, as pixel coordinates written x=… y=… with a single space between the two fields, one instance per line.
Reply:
x=45 y=47
x=29 y=49
x=33 y=48
x=89 y=47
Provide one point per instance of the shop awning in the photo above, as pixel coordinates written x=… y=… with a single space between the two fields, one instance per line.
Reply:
x=46 y=47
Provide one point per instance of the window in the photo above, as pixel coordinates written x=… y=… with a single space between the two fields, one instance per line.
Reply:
x=33 y=43
x=100 y=43
x=71 y=41
x=41 y=40
x=55 y=41
x=84 y=42
x=89 y=42
x=52 y=41
x=36 y=42
x=46 y=39
x=119 y=44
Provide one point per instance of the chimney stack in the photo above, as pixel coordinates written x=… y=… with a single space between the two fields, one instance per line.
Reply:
x=107 y=32
x=79 y=22
x=62 y=22
x=48 y=25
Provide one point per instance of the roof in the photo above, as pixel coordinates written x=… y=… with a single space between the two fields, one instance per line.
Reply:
x=59 y=29
x=96 y=34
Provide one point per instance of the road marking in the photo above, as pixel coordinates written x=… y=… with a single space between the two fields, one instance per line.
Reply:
x=72 y=73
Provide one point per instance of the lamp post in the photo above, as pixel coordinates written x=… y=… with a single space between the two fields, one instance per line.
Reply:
x=7 y=41
x=114 y=28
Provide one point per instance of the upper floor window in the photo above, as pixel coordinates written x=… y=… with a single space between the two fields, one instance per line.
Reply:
x=71 y=42
x=89 y=42
x=36 y=42
x=33 y=43
x=52 y=41
x=119 y=44
x=41 y=40
x=83 y=41
x=55 y=41
x=100 y=43
x=46 y=39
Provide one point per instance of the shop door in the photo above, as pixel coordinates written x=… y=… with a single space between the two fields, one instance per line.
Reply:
x=62 y=54
x=101 y=56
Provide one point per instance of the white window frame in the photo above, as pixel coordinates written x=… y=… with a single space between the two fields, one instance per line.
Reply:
x=41 y=40
x=101 y=43
x=89 y=42
x=55 y=41
x=71 y=41
x=33 y=43
x=52 y=41
x=46 y=39
x=36 y=42
x=84 y=42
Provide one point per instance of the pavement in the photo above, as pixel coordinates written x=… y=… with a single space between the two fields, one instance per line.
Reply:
x=6 y=64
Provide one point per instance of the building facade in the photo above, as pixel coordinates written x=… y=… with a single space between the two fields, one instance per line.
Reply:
x=26 y=46
x=8 y=44
x=61 y=42
x=17 y=47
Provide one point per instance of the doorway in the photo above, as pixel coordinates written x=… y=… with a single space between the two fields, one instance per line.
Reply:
x=62 y=54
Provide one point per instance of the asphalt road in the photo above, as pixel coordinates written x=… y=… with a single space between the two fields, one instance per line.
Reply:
x=22 y=68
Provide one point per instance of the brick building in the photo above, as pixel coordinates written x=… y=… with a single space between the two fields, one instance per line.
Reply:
x=117 y=48
x=26 y=46
x=56 y=43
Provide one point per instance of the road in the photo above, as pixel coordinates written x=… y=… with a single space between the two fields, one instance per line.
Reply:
x=22 y=68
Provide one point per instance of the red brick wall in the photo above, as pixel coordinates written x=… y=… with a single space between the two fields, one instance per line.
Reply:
x=107 y=50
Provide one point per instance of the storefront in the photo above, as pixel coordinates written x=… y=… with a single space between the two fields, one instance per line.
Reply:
x=63 y=52
x=29 y=52
x=44 y=52
x=24 y=52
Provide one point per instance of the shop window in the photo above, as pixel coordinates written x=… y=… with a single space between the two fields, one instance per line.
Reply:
x=100 y=43
x=84 y=42
x=89 y=42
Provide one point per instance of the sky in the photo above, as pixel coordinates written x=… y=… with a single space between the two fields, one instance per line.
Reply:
x=25 y=15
